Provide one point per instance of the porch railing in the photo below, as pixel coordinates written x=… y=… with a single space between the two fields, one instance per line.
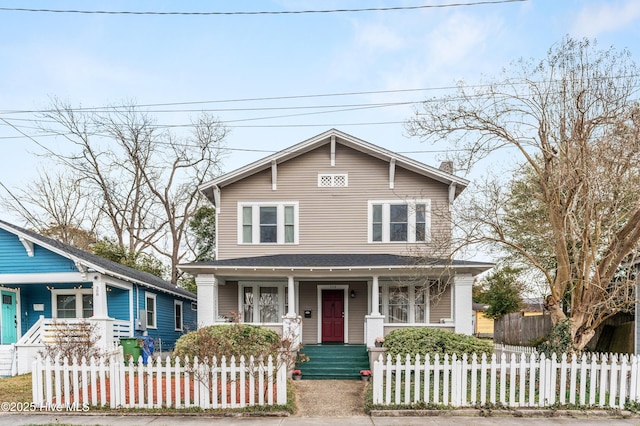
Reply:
x=121 y=329
x=44 y=330
x=34 y=335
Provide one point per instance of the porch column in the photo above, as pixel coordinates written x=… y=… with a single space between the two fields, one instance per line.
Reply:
x=104 y=330
x=99 y=297
x=291 y=299
x=292 y=322
x=462 y=311
x=207 y=299
x=375 y=296
x=374 y=322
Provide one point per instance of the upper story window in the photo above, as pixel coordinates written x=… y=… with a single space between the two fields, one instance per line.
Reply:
x=333 y=180
x=268 y=223
x=399 y=221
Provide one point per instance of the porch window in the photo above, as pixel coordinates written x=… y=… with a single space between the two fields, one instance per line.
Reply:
x=268 y=304
x=150 y=308
x=404 y=303
x=268 y=223
x=73 y=303
x=263 y=302
x=398 y=311
x=66 y=306
x=394 y=221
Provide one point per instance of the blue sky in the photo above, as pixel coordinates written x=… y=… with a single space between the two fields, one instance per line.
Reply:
x=94 y=60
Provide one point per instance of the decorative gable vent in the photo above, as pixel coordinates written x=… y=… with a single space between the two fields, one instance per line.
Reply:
x=333 y=180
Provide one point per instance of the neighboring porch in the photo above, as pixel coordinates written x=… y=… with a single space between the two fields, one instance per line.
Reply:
x=34 y=312
x=17 y=358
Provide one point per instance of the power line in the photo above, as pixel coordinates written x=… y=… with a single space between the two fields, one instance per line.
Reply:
x=263 y=12
x=110 y=108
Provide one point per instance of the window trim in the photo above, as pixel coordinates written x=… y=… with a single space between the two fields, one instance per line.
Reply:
x=78 y=293
x=255 y=285
x=153 y=296
x=280 y=222
x=386 y=220
x=177 y=303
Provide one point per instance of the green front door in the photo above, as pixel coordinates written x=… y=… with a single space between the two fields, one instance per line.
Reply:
x=9 y=319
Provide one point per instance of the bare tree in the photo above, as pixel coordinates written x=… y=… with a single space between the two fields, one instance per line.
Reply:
x=57 y=206
x=572 y=122
x=142 y=178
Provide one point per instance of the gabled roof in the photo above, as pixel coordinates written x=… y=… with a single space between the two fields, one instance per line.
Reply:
x=343 y=139
x=97 y=263
x=342 y=261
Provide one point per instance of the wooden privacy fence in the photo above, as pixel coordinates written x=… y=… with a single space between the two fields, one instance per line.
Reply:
x=517 y=329
x=175 y=383
x=522 y=381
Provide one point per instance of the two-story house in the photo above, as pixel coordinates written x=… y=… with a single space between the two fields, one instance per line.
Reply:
x=332 y=241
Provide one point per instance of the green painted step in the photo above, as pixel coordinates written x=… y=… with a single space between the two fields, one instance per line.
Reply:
x=334 y=361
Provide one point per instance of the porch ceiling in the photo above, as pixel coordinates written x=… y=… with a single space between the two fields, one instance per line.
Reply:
x=344 y=264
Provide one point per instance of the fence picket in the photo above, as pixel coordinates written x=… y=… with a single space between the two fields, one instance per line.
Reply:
x=416 y=379
x=474 y=379
x=427 y=378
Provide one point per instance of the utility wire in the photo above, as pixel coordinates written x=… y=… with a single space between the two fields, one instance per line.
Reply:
x=264 y=12
x=306 y=96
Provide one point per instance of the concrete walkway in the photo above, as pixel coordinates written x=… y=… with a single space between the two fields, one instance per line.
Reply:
x=329 y=398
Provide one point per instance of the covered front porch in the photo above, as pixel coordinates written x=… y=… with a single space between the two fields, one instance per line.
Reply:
x=33 y=313
x=350 y=299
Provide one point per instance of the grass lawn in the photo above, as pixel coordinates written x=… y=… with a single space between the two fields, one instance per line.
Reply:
x=16 y=389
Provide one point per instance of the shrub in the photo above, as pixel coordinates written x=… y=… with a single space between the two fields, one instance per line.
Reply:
x=228 y=340
x=559 y=340
x=424 y=340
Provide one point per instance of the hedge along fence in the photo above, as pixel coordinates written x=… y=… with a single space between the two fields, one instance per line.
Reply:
x=524 y=381
x=174 y=383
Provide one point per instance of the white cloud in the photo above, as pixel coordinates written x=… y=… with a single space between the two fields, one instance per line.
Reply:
x=599 y=18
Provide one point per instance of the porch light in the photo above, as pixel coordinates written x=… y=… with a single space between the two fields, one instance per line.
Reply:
x=353 y=294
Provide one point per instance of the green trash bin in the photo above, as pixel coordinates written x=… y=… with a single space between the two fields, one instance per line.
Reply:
x=130 y=347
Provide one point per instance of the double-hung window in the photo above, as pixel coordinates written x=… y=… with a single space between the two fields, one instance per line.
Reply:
x=399 y=221
x=151 y=309
x=268 y=223
x=263 y=302
x=177 y=315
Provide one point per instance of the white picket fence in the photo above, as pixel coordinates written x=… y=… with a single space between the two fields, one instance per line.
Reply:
x=521 y=381
x=170 y=383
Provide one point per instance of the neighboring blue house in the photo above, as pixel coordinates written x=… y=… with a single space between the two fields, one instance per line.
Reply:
x=43 y=280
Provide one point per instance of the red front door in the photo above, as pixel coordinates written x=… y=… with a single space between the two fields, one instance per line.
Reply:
x=333 y=316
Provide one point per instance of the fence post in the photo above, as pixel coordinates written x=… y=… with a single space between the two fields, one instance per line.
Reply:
x=37 y=381
x=377 y=381
x=281 y=382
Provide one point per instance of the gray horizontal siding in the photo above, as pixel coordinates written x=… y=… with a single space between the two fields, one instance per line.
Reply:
x=332 y=220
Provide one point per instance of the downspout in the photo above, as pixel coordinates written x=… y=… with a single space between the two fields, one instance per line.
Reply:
x=216 y=201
